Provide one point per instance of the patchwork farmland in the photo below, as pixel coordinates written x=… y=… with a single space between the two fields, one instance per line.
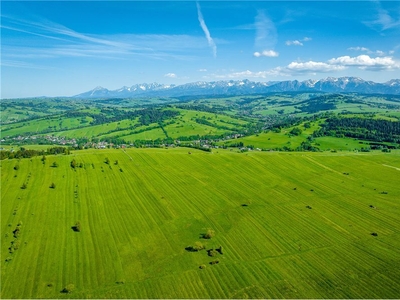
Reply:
x=132 y=223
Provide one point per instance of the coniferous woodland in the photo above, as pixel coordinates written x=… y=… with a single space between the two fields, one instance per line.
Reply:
x=361 y=128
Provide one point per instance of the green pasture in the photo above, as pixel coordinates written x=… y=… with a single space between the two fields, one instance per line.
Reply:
x=97 y=130
x=272 y=140
x=30 y=147
x=291 y=225
x=153 y=134
x=52 y=124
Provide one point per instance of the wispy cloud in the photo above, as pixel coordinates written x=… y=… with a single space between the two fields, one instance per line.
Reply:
x=203 y=25
x=46 y=39
x=368 y=51
x=22 y=64
x=383 y=20
x=266 y=36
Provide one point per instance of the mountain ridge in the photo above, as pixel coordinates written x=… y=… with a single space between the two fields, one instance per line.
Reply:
x=242 y=87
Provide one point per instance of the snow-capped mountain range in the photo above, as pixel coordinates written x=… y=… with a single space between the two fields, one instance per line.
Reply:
x=243 y=87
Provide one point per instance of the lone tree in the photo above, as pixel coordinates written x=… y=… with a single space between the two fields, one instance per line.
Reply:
x=107 y=161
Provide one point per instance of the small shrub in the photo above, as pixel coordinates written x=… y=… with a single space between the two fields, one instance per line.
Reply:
x=214 y=262
x=116 y=162
x=52 y=185
x=219 y=250
x=244 y=204
x=24 y=186
x=73 y=163
x=309 y=207
x=212 y=252
x=202 y=267
x=107 y=161
x=374 y=234
x=16 y=167
x=54 y=165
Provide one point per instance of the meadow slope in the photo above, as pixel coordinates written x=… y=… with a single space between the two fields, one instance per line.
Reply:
x=140 y=211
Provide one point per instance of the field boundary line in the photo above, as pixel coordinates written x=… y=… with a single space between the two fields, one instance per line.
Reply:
x=398 y=169
x=322 y=165
x=127 y=154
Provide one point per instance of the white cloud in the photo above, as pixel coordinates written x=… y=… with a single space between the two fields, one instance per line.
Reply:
x=298 y=42
x=358 y=49
x=203 y=25
x=170 y=75
x=312 y=67
x=366 y=62
x=202 y=70
x=268 y=53
x=363 y=62
x=295 y=43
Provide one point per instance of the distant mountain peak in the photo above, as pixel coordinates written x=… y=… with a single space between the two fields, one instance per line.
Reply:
x=245 y=86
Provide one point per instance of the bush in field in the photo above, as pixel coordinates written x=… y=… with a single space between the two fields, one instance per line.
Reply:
x=43 y=159
x=68 y=289
x=296 y=131
x=214 y=262
x=107 y=161
x=16 y=167
x=24 y=186
x=209 y=234
x=52 y=185
x=54 y=165
x=202 y=266
x=212 y=252
x=219 y=250
x=77 y=227
x=73 y=164
x=198 y=246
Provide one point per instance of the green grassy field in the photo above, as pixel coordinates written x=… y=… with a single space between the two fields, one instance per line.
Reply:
x=138 y=216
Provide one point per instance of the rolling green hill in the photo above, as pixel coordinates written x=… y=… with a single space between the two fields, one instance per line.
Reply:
x=124 y=224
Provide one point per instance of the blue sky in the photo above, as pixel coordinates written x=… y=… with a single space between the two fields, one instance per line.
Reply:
x=64 y=48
